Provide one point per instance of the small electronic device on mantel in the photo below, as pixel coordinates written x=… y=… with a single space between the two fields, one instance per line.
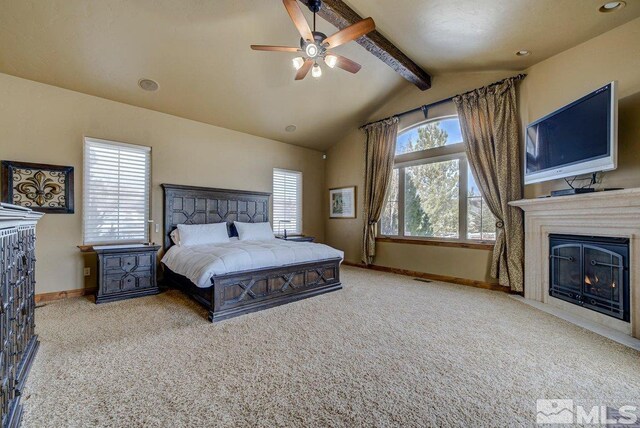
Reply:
x=577 y=190
x=564 y=192
x=579 y=138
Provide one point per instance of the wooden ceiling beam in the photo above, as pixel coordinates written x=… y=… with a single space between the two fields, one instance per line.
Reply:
x=340 y=15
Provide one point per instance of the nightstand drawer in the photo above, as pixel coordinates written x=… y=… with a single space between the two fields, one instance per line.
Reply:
x=129 y=262
x=115 y=283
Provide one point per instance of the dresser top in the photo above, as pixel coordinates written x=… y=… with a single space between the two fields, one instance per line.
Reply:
x=15 y=212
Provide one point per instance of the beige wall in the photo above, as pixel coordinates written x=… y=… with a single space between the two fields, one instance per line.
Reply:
x=345 y=166
x=40 y=123
x=550 y=84
x=46 y=124
x=563 y=78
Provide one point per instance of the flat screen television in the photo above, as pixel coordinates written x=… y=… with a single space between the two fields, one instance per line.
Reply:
x=579 y=138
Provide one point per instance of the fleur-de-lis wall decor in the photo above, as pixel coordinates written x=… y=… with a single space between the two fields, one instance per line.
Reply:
x=41 y=187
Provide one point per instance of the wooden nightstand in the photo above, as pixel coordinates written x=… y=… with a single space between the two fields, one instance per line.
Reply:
x=297 y=238
x=126 y=271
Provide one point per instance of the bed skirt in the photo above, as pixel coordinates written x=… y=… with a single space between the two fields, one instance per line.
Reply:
x=243 y=292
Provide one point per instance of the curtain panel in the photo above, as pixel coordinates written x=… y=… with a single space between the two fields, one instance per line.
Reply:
x=379 y=158
x=489 y=122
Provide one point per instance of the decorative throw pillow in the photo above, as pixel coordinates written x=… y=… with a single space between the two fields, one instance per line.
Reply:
x=254 y=231
x=201 y=234
x=175 y=237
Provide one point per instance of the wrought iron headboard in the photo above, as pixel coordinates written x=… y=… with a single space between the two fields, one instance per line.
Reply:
x=204 y=205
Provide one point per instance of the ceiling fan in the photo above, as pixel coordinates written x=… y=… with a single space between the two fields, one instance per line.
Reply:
x=316 y=45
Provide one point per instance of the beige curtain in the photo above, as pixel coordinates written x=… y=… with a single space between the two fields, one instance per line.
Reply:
x=380 y=154
x=489 y=122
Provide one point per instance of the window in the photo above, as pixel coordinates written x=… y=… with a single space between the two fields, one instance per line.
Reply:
x=116 y=192
x=287 y=201
x=433 y=194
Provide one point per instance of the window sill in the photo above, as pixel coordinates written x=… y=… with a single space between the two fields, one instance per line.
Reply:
x=477 y=245
x=88 y=248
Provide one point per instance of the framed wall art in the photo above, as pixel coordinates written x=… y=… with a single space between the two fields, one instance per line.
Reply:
x=342 y=202
x=41 y=187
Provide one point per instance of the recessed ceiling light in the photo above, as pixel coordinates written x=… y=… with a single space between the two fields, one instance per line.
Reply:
x=291 y=128
x=523 y=52
x=148 y=84
x=612 y=6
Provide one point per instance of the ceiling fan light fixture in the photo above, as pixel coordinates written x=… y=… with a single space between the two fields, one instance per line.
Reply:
x=315 y=44
x=316 y=71
x=311 y=50
x=331 y=60
x=298 y=62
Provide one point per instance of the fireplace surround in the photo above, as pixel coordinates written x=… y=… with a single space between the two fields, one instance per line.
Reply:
x=614 y=214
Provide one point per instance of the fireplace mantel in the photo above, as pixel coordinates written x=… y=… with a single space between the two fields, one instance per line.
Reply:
x=613 y=213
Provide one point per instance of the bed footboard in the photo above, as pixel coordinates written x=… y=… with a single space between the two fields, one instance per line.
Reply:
x=244 y=292
x=241 y=293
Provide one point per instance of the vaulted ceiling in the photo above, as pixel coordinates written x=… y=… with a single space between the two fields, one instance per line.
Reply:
x=198 y=51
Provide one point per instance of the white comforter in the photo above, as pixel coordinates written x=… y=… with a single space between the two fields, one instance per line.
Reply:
x=200 y=262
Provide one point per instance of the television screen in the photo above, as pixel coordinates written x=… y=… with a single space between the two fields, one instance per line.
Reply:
x=576 y=139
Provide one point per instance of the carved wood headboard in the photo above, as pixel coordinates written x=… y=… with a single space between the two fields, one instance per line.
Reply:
x=204 y=205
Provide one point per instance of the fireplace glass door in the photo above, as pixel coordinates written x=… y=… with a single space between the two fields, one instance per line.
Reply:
x=592 y=272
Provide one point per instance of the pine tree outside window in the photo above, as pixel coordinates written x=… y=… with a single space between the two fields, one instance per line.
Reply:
x=433 y=195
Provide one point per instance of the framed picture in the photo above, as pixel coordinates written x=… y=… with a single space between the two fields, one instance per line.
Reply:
x=342 y=202
x=41 y=187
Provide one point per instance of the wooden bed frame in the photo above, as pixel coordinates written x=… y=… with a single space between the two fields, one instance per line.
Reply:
x=239 y=293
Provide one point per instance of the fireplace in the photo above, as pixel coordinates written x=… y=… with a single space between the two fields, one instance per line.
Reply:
x=592 y=272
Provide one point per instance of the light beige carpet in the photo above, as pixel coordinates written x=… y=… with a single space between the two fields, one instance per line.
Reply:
x=384 y=351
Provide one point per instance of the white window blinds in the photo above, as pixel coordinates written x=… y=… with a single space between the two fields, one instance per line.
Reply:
x=287 y=201
x=116 y=192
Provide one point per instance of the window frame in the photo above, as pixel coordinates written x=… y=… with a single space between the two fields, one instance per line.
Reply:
x=85 y=199
x=426 y=157
x=300 y=195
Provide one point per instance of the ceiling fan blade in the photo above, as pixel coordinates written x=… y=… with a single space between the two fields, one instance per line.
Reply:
x=304 y=70
x=351 y=32
x=274 y=48
x=347 y=64
x=298 y=19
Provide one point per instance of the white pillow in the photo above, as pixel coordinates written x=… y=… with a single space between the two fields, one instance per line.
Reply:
x=201 y=234
x=254 y=231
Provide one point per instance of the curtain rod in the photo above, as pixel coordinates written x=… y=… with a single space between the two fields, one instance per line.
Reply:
x=425 y=108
